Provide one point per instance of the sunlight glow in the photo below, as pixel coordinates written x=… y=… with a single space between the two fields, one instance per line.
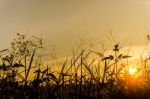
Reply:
x=132 y=71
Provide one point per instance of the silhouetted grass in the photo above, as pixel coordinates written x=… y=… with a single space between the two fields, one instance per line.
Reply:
x=81 y=77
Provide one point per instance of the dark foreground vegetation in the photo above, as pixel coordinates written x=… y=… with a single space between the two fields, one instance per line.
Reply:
x=85 y=75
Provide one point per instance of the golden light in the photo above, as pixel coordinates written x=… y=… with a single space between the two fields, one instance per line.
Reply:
x=132 y=71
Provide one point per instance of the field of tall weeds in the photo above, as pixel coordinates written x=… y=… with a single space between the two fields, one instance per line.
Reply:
x=87 y=74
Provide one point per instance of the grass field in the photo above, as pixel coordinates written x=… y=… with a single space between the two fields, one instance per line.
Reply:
x=86 y=74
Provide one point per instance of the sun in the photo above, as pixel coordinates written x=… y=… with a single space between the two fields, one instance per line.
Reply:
x=132 y=71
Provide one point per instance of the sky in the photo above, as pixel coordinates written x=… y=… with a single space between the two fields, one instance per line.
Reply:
x=63 y=22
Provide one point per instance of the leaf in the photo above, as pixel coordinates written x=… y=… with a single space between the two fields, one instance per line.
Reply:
x=120 y=56
x=4 y=50
x=116 y=47
x=75 y=60
x=44 y=71
x=52 y=76
x=18 y=65
x=111 y=57
x=126 y=56
x=37 y=71
x=66 y=74
x=105 y=58
x=62 y=70
x=89 y=70
x=30 y=64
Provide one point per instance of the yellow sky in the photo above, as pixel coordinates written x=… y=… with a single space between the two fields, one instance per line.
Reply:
x=62 y=22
